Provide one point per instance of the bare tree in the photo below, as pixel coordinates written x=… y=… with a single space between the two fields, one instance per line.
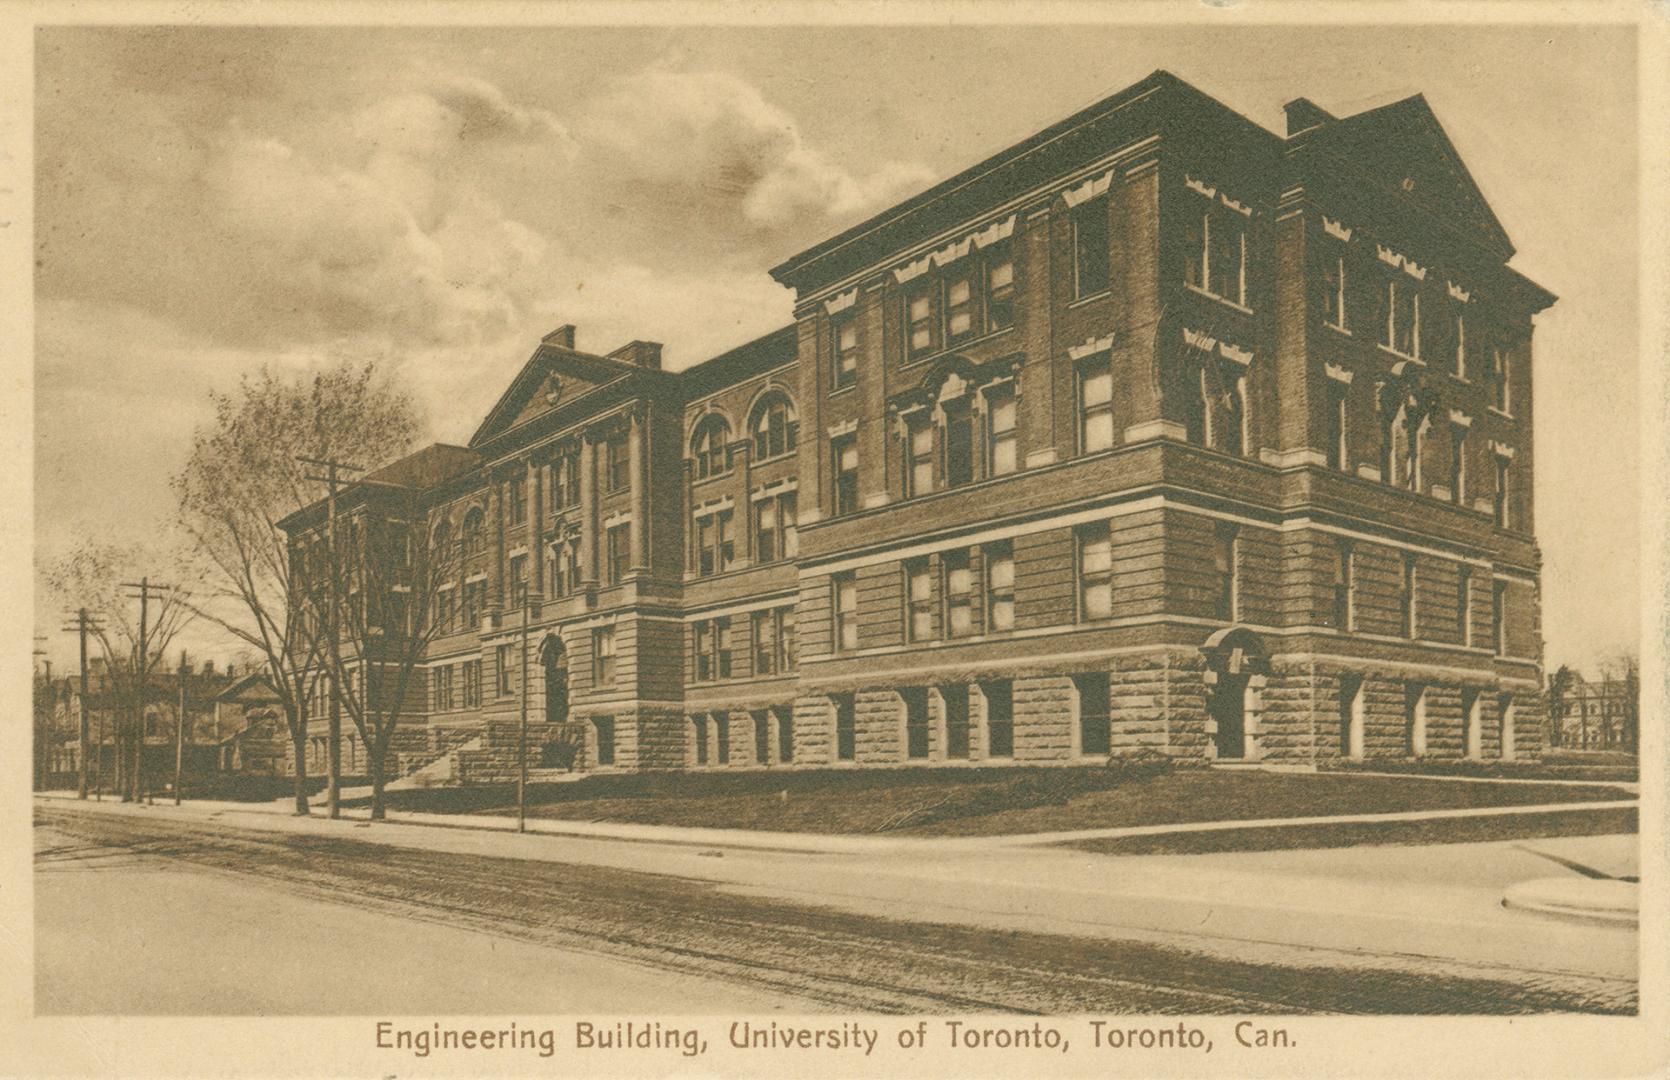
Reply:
x=132 y=635
x=245 y=475
x=1557 y=698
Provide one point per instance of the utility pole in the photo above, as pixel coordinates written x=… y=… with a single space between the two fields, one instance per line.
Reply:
x=180 y=729
x=42 y=720
x=333 y=754
x=84 y=623
x=522 y=737
x=143 y=671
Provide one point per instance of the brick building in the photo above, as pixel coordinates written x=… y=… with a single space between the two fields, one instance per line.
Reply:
x=1157 y=429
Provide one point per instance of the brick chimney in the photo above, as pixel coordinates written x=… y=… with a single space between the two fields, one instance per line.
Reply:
x=1304 y=114
x=642 y=353
x=562 y=337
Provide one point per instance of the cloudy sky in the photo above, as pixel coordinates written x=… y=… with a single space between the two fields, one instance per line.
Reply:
x=209 y=200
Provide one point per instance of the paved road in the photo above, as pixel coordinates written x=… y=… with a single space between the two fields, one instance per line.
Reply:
x=930 y=937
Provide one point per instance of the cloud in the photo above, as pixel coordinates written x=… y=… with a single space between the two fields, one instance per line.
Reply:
x=713 y=134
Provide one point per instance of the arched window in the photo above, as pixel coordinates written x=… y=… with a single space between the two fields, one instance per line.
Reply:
x=474 y=537
x=711 y=447
x=775 y=427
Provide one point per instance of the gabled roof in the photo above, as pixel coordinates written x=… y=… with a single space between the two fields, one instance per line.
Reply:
x=1404 y=146
x=434 y=464
x=547 y=359
x=236 y=689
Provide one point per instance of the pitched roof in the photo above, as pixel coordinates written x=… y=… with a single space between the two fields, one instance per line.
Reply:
x=434 y=464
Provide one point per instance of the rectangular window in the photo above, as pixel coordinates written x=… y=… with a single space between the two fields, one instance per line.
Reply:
x=1092 y=269
x=1499 y=616
x=790 y=643
x=1499 y=509
x=959 y=310
x=715 y=547
x=846 y=351
x=518 y=580
x=516 y=499
x=1414 y=718
x=1000 y=587
x=919 y=454
x=959 y=595
x=1460 y=343
x=704 y=651
x=618 y=463
x=774 y=528
x=844 y=457
x=1000 y=717
x=1000 y=430
x=722 y=733
x=919 y=601
x=445 y=603
x=1096 y=404
x=1339 y=456
x=475 y=602
x=1223 y=388
x=698 y=729
x=785 y=734
x=1226 y=258
x=1501 y=396
x=770 y=642
x=954 y=701
x=620 y=542
x=845 y=588
x=1464 y=604
x=1225 y=558
x=501 y=669
x=1333 y=279
x=605 y=726
x=603 y=656
x=1341 y=607
x=1095 y=543
x=1000 y=288
x=1458 y=464
x=440 y=689
x=922 y=320
x=846 y=728
x=915 y=701
x=959 y=444
x=472 y=684
x=1406 y=598
x=1403 y=318
x=565 y=481
x=1094 y=713
x=762 y=736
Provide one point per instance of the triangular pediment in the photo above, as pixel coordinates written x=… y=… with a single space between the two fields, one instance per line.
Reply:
x=1406 y=149
x=552 y=378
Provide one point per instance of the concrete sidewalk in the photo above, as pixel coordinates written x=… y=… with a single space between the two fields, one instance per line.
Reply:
x=822 y=843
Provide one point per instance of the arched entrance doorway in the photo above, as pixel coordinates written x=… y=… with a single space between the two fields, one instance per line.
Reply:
x=555 y=660
x=1237 y=665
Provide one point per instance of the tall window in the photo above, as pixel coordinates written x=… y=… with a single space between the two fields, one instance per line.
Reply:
x=773 y=634
x=1225 y=559
x=1215 y=255
x=919 y=453
x=516 y=498
x=959 y=443
x=1458 y=464
x=959 y=307
x=775 y=428
x=475 y=602
x=715 y=547
x=1417 y=456
x=844 y=459
x=501 y=670
x=762 y=736
x=518 y=580
x=1000 y=586
x=959 y=594
x=711 y=448
x=953 y=699
x=472 y=683
x=845 y=588
x=605 y=730
x=1095 y=542
x=1000 y=717
x=1000 y=430
x=620 y=543
x=1500 y=507
x=1499 y=617
x=1460 y=359
x=919 y=600
x=1341 y=600
x=1464 y=604
x=713 y=649
x=1339 y=455
x=441 y=689
x=1092 y=269
x=1406 y=597
x=774 y=527
x=1094 y=713
x=922 y=329
x=565 y=480
x=617 y=461
x=445 y=601
x=915 y=701
x=1333 y=300
x=1402 y=332
x=846 y=351
x=474 y=532
x=698 y=729
x=722 y=732
x=603 y=656
x=1000 y=288
x=846 y=728
x=1096 y=403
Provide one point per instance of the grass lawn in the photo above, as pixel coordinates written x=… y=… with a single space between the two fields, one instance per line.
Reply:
x=978 y=802
x=1360 y=834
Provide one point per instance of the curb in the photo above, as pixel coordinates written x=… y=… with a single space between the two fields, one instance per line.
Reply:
x=1605 y=900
